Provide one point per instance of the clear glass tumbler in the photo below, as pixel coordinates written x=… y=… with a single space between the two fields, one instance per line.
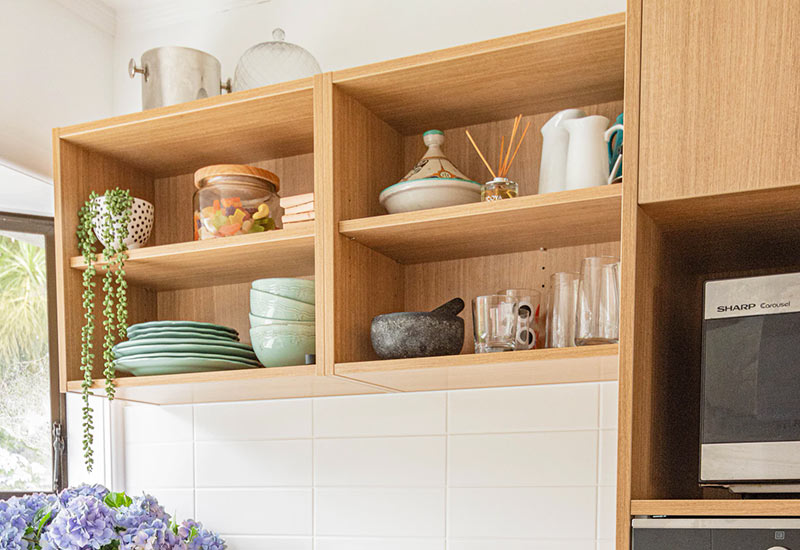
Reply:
x=561 y=310
x=598 y=302
x=494 y=323
x=528 y=323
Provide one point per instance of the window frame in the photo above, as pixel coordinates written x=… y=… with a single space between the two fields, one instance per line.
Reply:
x=43 y=225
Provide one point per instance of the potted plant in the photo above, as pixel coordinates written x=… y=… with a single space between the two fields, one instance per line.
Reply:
x=119 y=222
x=90 y=516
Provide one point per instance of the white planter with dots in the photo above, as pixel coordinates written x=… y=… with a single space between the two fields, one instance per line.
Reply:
x=139 y=225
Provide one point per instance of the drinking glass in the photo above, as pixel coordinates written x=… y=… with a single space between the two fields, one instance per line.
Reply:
x=528 y=324
x=494 y=323
x=598 y=302
x=561 y=310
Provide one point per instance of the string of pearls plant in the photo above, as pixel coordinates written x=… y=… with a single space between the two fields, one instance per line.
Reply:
x=112 y=223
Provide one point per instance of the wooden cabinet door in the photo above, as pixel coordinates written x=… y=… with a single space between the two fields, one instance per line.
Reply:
x=720 y=97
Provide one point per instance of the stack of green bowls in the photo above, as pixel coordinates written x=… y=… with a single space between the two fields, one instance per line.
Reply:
x=282 y=321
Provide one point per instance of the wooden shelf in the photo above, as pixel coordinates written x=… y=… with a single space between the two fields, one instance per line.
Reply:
x=280 y=253
x=519 y=368
x=544 y=70
x=713 y=507
x=254 y=125
x=237 y=385
x=553 y=220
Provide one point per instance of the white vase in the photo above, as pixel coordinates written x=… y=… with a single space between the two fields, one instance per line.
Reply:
x=555 y=140
x=587 y=157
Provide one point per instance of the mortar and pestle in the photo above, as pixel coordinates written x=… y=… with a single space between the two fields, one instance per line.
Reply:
x=419 y=333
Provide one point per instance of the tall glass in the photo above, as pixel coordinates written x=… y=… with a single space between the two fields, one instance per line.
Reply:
x=494 y=323
x=561 y=310
x=598 y=302
x=528 y=322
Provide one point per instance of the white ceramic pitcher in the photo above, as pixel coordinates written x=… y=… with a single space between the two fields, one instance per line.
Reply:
x=555 y=140
x=587 y=157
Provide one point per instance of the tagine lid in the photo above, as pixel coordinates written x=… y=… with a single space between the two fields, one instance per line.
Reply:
x=434 y=165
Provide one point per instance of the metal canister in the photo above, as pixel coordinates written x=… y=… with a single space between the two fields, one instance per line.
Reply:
x=173 y=74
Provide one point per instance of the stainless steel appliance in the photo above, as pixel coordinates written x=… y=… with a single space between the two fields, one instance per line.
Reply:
x=716 y=534
x=750 y=432
x=172 y=74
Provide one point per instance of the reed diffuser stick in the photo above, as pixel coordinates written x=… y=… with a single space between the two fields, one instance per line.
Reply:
x=504 y=167
x=518 y=144
x=480 y=154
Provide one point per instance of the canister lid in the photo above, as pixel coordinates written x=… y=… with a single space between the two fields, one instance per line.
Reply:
x=206 y=172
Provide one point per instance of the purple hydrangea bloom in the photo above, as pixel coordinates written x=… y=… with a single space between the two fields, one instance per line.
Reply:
x=152 y=535
x=143 y=509
x=30 y=504
x=84 y=523
x=97 y=491
x=203 y=539
x=13 y=526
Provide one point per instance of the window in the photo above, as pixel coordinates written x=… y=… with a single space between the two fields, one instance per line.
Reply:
x=31 y=407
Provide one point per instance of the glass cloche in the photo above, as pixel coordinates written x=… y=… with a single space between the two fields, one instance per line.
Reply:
x=273 y=62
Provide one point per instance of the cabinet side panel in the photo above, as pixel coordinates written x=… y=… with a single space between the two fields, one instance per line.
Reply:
x=79 y=172
x=720 y=87
x=367 y=156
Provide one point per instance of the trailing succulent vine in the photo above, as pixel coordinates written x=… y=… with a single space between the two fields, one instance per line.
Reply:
x=112 y=223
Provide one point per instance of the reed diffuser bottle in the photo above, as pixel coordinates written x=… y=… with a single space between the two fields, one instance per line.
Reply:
x=501 y=187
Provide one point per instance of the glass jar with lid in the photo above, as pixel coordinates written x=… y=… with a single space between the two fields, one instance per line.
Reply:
x=235 y=199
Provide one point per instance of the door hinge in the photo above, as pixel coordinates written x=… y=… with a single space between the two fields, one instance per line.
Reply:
x=58 y=457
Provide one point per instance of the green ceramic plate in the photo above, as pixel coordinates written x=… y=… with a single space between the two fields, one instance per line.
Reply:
x=186 y=324
x=180 y=355
x=151 y=365
x=183 y=334
x=185 y=345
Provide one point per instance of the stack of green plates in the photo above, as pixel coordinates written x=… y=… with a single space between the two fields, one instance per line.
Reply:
x=173 y=347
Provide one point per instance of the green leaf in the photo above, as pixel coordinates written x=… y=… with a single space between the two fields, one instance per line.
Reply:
x=115 y=500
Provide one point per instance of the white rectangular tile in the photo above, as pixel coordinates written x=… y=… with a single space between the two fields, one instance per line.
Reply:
x=178 y=503
x=608 y=457
x=536 y=512
x=154 y=424
x=606 y=512
x=158 y=466
x=523 y=459
x=280 y=419
x=275 y=512
x=534 y=408
x=377 y=512
x=609 y=405
x=371 y=543
x=276 y=463
x=606 y=545
x=380 y=461
x=380 y=415
x=239 y=542
x=520 y=544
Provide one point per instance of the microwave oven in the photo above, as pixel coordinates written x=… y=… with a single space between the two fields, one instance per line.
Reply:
x=716 y=534
x=750 y=410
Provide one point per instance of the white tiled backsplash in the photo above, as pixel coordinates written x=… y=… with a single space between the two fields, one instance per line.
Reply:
x=500 y=469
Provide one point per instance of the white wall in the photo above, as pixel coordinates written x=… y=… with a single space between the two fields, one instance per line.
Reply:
x=56 y=71
x=340 y=33
x=500 y=469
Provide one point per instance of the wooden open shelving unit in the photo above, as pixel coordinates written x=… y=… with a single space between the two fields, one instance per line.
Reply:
x=345 y=136
x=698 y=201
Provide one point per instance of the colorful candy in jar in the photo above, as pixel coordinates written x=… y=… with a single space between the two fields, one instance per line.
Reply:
x=253 y=209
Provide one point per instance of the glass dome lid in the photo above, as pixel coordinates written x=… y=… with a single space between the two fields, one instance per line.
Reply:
x=272 y=62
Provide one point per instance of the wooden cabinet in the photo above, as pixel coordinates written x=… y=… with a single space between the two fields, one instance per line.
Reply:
x=720 y=97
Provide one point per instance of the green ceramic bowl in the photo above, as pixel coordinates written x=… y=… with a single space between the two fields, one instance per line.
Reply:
x=301 y=290
x=303 y=327
x=281 y=346
x=272 y=306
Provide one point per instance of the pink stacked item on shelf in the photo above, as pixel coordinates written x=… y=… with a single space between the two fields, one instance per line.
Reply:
x=298 y=208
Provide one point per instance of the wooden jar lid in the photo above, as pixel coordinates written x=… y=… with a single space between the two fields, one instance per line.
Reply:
x=235 y=170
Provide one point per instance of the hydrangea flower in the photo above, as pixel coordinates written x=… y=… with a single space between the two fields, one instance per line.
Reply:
x=84 y=523
x=152 y=535
x=143 y=509
x=31 y=504
x=13 y=526
x=97 y=491
x=203 y=539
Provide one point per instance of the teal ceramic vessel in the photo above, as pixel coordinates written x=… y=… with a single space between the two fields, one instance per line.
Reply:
x=272 y=306
x=301 y=290
x=281 y=346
